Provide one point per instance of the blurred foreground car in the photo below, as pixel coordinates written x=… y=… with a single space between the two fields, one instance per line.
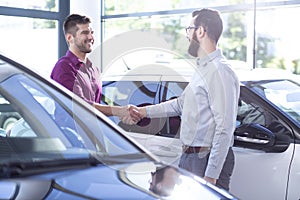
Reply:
x=62 y=148
x=267 y=136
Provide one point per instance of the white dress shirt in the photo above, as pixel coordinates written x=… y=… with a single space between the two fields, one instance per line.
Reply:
x=208 y=109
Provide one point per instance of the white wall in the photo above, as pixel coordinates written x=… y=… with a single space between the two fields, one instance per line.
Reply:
x=92 y=9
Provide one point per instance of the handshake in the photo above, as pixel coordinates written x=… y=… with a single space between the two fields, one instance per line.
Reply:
x=131 y=114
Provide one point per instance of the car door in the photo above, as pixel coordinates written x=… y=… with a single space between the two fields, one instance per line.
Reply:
x=264 y=150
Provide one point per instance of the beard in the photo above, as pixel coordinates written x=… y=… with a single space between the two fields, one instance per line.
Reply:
x=194 y=46
x=84 y=46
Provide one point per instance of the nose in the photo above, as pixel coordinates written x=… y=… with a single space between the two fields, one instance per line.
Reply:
x=91 y=37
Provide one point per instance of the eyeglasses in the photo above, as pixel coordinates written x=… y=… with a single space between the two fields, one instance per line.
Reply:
x=187 y=29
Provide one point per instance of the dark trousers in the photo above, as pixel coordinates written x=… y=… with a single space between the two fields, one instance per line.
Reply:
x=197 y=162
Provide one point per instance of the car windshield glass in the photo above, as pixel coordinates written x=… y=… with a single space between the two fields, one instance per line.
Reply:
x=54 y=126
x=284 y=94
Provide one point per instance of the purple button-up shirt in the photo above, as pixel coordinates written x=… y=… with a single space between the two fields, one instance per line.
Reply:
x=81 y=78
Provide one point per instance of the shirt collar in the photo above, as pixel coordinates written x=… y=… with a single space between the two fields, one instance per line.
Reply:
x=202 y=62
x=78 y=63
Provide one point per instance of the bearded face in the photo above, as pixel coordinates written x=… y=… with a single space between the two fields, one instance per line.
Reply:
x=194 y=46
x=84 y=45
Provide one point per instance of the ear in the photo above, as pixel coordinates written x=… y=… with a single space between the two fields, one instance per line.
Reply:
x=200 y=32
x=69 y=38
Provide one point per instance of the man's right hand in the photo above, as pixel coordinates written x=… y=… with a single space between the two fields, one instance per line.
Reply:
x=137 y=112
x=132 y=115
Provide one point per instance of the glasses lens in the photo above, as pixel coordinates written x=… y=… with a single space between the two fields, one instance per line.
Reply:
x=188 y=29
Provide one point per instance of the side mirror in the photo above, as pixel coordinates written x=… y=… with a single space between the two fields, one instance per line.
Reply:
x=254 y=136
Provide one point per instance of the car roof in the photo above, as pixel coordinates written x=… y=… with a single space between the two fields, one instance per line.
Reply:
x=258 y=74
x=153 y=72
x=182 y=71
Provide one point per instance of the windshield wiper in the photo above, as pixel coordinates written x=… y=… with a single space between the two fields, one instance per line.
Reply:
x=20 y=169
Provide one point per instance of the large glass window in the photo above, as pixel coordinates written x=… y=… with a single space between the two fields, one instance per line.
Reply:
x=133 y=6
x=30 y=41
x=277 y=37
x=263 y=37
x=259 y=33
x=31 y=32
x=48 y=5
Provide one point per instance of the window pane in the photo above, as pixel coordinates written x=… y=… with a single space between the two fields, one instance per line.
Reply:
x=49 y=5
x=236 y=40
x=273 y=43
x=133 y=6
x=276 y=42
x=140 y=6
x=32 y=42
x=166 y=33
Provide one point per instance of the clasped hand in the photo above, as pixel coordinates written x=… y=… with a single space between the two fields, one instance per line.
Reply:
x=132 y=114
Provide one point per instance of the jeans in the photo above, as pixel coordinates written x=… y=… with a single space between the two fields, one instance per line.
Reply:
x=197 y=162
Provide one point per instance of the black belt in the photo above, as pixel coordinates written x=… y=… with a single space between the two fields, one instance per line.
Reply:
x=190 y=149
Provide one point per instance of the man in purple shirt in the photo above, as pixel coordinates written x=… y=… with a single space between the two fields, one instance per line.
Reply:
x=76 y=72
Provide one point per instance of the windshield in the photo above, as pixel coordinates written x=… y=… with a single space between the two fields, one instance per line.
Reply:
x=285 y=94
x=52 y=126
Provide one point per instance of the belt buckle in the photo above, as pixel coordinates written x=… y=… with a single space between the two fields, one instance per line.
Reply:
x=190 y=149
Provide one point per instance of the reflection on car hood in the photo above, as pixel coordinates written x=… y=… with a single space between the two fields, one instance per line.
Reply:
x=109 y=182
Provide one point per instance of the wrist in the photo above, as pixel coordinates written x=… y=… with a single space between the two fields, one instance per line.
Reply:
x=119 y=110
x=143 y=111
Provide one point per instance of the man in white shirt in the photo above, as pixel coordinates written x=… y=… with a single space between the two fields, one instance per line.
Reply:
x=208 y=105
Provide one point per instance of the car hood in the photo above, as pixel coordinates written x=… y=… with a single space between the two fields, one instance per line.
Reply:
x=130 y=181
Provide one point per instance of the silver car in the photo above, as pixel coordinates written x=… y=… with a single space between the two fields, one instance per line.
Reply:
x=62 y=148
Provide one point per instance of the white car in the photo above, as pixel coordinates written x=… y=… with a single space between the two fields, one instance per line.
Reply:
x=267 y=137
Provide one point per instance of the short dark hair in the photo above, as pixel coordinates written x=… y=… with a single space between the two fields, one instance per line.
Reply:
x=70 y=23
x=211 y=21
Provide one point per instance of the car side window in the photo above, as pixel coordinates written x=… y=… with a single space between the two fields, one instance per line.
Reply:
x=115 y=93
x=38 y=110
x=12 y=122
x=249 y=112
x=252 y=113
x=285 y=94
x=165 y=126
x=170 y=90
x=8 y=115
x=129 y=92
